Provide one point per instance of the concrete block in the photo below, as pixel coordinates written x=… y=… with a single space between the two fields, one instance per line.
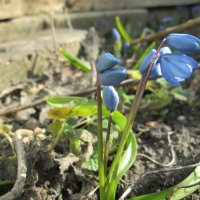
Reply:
x=16 y=8
x=20 y=57
x=97 y=5
x=102 y=21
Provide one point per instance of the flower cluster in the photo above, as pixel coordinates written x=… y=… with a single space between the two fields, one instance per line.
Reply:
x=173 y=67
x=109 y=75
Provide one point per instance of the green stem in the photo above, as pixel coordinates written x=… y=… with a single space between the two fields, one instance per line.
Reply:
x=106 y=150
x=100 y=143
x=130 y=120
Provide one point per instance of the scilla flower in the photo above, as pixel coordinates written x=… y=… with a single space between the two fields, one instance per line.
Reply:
x=184 y=43
x=106 y=61
x=176 y=68
x=110 y=98
x=144 y=65
x=109 y=75
x=113 y=76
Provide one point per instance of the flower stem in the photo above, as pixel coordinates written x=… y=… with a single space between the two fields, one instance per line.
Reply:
x=106 y=150
x=100 y=143
x=131 y=119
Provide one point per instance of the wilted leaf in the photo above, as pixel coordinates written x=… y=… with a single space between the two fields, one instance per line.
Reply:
x=62 y=113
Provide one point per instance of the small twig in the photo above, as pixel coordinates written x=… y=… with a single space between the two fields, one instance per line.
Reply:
x=172 y=152
x=37 y=102
x=93 y=191
x=11 y=89
x=21 y=171
x=179 y=28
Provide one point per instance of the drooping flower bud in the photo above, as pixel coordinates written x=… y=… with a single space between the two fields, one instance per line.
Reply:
x=110 y=98
x=184 y=43
x=113 y=77
x=144 y=65
x=106 y=61
x=115 y=34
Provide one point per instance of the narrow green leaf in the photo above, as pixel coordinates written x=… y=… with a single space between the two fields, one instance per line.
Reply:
x=75 y=61
x=122 y=30
x=151 y=46
x=130 y=152
x=118 y=48
x=62 y=101
x=178 y=194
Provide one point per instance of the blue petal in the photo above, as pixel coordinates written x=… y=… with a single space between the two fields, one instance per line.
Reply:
x=110 y=98
x=156 y=71
x=106 y=61
x=178 y=64
x=184 y=43
x=144 y=65
x=113 y=77
x=164 y=50
x=168 y=74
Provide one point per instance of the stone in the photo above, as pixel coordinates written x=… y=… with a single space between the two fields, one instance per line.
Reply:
x=16 y=8
x=34 y=55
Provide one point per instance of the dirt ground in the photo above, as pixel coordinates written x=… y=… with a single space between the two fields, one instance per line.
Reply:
x=57 y=174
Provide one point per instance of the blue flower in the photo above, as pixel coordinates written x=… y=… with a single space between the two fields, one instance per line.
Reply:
x=155 y=72
x=184 y=43
x=106 y=61
x=115 y=34
x=164 y=50
x=144 y=65
x=176 y=68
x=110 y=98
x=113 y=76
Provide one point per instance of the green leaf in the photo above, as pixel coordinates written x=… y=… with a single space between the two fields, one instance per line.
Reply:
x=122 y=30
x=85 y=110
x=130 y=152
x=75 y=61
x=92 y=163
x=118 y=48
x=62 y=101
x=178 y=194
x=179 y=94
x=56 y=128
x=151 y=46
